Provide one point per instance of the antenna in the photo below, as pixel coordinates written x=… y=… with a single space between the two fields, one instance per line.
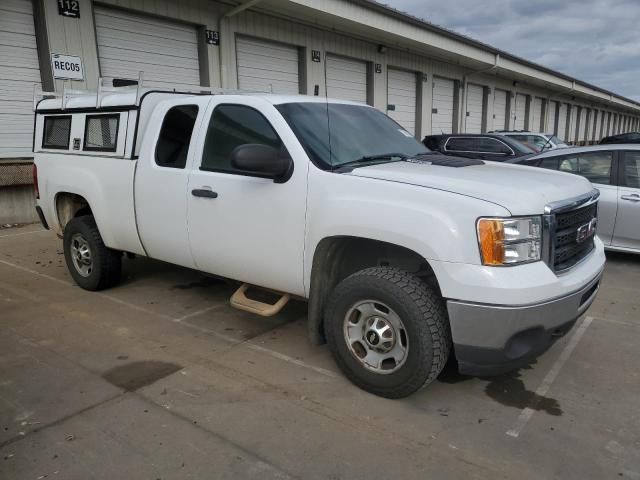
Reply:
x=326 y=102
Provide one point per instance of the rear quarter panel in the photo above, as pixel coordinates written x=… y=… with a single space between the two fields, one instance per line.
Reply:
x=107 y=185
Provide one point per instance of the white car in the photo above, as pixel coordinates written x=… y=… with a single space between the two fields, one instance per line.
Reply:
x=539 y=142
x=614 y=169
x=404 y=255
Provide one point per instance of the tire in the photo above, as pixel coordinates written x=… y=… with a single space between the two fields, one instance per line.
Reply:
x=81 y=235
x=424 y=331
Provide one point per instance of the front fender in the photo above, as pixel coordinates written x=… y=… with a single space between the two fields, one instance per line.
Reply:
x=435 y=224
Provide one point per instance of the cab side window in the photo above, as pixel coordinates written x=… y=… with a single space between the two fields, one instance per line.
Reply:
x=462 y=144
x=175 y=136
x=491 y=145
x=230 y=127
x=632 y=169
x=594 y=166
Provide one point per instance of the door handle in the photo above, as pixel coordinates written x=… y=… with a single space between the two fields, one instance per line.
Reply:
x=204 y=193
x=632 y=198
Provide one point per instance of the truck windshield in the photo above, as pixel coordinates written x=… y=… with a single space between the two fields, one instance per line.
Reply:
x=336 y=134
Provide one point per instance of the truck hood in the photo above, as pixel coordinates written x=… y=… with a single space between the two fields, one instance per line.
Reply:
x=521 y=190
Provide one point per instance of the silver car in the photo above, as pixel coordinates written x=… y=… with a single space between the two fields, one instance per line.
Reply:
x=615 y=171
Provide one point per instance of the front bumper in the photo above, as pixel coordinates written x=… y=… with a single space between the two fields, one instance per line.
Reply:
x=494 y=339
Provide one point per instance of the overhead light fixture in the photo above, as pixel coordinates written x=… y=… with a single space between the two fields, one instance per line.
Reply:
x=382 y=49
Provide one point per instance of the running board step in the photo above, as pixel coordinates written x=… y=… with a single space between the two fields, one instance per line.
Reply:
x=240 y=301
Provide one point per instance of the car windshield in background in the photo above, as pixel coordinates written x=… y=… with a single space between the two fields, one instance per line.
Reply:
x=334 y=134
x=556 y=141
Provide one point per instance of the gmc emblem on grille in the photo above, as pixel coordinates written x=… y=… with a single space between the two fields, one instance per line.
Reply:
x=586 y=231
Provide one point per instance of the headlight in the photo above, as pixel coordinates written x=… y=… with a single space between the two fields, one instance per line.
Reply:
x=509 y=241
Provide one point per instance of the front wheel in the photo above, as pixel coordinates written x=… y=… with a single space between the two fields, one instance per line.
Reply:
x=92 y=265
x=388 y=331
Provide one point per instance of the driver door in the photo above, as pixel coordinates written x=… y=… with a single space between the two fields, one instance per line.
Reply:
x=247 y=228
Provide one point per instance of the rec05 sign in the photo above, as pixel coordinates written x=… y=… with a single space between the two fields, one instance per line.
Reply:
x=66 y=67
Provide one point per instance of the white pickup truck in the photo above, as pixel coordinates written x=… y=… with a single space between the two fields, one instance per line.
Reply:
x=405 y=256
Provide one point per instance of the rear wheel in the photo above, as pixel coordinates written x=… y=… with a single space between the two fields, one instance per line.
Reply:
x=92 y=265
x=388 y=331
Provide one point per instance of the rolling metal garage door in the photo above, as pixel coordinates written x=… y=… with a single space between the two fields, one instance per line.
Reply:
x=499 y=110
x=267 y=67
x=167 y=52
x=442 y=106
x=600 y=127
x=551 y=118
x=573 y=118
x=562 y=122
x=402 y=92
x=582 y=125
x=19 y=72
x=346 y=79
x=521 y=112
x=475 y=110
x=537 y=115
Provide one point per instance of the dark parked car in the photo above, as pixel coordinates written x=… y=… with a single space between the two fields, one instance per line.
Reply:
x=483 y=146
x=632 y=137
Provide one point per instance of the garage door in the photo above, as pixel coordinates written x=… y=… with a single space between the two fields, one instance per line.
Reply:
x=475 y=110
x=551 y=118
x=600 y=126
x=582 y=125
x=167 y=52
x=19 y=72
x=537 y=115
x=402 y=90
x=442 y=106
x=267 y=67
x=573 y=116
x=500 y=110
x=346 y=79
x=521 y=112
x=562 y=122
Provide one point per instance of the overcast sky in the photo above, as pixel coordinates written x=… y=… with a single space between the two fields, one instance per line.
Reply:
x=597 y=41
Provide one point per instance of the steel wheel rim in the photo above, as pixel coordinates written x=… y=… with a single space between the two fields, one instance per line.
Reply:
x=81 y=255
x=376 y=336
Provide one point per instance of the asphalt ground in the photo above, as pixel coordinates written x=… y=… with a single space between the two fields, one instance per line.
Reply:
x=159 y=378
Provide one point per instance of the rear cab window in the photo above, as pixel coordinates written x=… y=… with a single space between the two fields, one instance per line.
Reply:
x=175 y=136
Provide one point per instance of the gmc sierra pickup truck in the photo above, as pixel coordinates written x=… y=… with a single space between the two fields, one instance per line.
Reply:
x=405 y=256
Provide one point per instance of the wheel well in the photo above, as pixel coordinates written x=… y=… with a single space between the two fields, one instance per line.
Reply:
x=69 y=206
x=336 y=258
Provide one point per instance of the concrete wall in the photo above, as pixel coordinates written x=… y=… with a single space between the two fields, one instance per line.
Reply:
x=17 y=204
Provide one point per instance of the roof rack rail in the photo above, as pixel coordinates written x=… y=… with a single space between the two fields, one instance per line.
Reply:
x=138 y=87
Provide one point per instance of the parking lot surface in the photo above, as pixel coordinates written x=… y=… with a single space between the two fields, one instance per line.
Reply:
x=159 y=379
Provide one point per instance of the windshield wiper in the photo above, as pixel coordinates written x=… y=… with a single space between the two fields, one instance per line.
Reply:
x=372 y=158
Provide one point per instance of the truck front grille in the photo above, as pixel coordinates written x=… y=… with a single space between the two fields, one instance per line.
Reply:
x=568 y=248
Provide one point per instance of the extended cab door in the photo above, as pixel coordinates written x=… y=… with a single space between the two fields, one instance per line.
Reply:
x=248 y=228
x=162 y=176
x=627 y=229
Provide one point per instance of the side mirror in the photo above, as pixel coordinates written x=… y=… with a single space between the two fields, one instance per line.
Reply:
x=262 y=161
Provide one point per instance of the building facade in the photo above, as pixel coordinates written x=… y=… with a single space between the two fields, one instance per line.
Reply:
x=430 y=80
